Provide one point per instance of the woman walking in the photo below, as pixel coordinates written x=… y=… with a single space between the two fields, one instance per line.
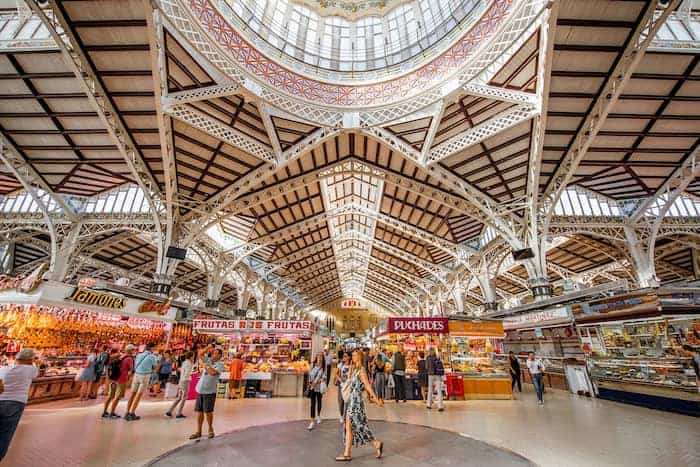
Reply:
x=342 y=371
x=356 y=430
x=317 y=387
x=182 y=386
x=87 y=376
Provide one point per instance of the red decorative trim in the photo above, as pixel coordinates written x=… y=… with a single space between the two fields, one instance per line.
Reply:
x=319 y=92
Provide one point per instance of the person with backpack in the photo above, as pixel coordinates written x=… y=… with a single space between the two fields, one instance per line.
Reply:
x=119 y=370
x=144 y=365
x=436 y=371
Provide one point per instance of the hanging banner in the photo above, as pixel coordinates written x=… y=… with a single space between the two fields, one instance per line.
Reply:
x=24 y=284
x=351 y=303
x=151 y=306
x=417 y=325
x=223 y=325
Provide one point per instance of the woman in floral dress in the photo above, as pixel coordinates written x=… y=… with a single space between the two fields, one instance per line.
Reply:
x=356 y=430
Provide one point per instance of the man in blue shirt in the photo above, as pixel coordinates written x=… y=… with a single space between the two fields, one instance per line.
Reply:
x=144 y=365
x=206 y=390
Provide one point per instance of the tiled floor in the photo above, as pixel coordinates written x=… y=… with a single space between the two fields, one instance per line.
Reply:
x=567 y=431
x=404 y=445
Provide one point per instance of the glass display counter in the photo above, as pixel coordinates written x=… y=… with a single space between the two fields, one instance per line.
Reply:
x=643 y=362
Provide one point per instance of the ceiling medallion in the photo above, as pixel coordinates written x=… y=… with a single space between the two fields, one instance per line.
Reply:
x=353 y=9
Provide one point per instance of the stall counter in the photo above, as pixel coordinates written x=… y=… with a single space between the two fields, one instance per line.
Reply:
x=50 y=388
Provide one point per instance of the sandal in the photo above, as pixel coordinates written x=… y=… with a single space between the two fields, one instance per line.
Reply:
x=211 y=435
x=195 y=435
x=380 y=450
x=343 y=459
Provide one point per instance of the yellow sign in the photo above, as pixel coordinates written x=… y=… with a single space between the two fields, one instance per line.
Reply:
x=91 y=297
x=476 y=328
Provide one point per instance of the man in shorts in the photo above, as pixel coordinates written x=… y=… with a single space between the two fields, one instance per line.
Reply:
x=144 y=365
x=206 y=390
x=117 y=387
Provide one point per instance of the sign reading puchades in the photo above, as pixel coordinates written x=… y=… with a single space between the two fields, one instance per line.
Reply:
x=417 y=325
x=246 y=325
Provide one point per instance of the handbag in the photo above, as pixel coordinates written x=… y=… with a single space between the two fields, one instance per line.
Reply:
x=345 y=390
x=322 y=388
x=310 y=393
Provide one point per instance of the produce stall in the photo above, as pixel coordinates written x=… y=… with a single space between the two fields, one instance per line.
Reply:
x=63 y=323
x=277 y=353
x=413 y=335
x=634 y=349
x=476 y=372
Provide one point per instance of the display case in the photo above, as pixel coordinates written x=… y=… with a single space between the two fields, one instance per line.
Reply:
x=667 y=373
x=643 y=362
x=477 y=356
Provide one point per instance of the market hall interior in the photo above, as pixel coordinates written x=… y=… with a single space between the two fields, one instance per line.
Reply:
x=452 y=231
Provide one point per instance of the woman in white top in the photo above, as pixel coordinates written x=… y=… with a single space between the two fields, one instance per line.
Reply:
x=182 y=386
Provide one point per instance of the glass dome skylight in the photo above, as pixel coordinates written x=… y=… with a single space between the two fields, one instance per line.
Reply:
x=334 y=43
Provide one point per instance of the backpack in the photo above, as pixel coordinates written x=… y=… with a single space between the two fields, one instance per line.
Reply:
x=115 y=369
x=439 y=367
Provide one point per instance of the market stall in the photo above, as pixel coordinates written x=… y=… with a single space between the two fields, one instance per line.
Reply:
x=477 y=372
x=551 y=335
x=634 y=348
x=277 y=353
x=63 y=323
x=413 y=335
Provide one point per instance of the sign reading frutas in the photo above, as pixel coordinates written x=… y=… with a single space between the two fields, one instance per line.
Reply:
x=204 y=325
x=23 y=284
x=418 y=325
x=151 y=306
x=91 y=297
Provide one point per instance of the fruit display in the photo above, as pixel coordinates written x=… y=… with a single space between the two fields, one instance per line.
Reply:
x=70 y=332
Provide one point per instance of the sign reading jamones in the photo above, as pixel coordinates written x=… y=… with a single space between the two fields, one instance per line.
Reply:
x=418 y=325
x=223 y=325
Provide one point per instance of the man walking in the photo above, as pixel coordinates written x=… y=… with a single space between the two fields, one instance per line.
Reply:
x=15 y=392
x=206 y=391
x=144 y=365
x=436 y=370
x=398 y=369
x=328 y=360
x=536 y=369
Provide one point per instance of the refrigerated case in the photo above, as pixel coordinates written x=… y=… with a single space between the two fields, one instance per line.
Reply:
x=641 y=361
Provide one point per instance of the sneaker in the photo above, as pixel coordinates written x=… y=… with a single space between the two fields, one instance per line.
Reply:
x=127 y=417
x=318 y=420
x=180 y=416
x=135 y=417
x=168 y=414
x=428 y=407
x=540 y=402
x=311 y=426
x=114 y=415
x=441 y=410
x=105 y=414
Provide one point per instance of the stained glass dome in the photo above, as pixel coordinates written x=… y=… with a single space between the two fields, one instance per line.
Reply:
x=346 y=38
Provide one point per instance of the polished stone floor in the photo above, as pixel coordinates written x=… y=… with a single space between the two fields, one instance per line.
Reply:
x=405 y=445
x=567 y=431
